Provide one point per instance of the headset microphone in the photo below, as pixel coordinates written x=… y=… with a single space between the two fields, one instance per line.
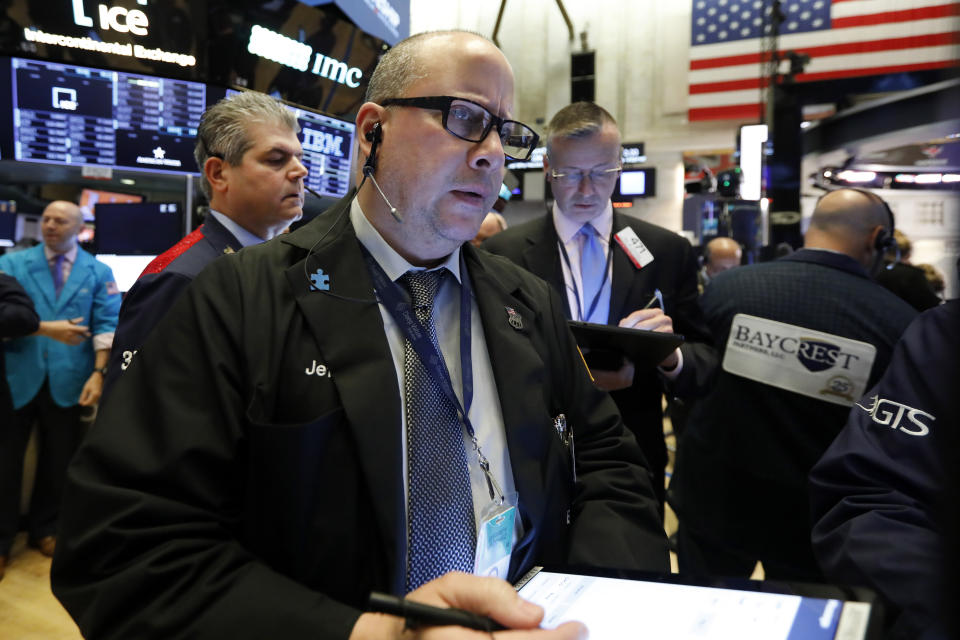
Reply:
x=374 y=136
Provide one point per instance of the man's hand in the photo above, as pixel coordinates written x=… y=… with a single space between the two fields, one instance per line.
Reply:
x=653 y=320
x=92 y=389
x=66 y=331
x=614 y=380
x=491 y=597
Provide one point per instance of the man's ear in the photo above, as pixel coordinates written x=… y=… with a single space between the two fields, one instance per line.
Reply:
x=546 y=168
x=217 y=174
x=369 y=114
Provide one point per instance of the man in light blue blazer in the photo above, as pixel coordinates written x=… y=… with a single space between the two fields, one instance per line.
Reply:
x=51 y=381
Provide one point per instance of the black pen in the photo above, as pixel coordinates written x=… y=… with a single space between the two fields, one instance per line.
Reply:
x=423 y=615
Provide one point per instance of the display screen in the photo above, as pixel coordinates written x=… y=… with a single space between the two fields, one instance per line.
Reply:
x=126 y=269
x=8 y=228
x=638 y=183
x=147 y=228
x=614 y=608
x=327 y=150
x=67 y=114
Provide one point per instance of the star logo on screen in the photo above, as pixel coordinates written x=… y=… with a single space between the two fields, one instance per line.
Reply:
x=159 y=153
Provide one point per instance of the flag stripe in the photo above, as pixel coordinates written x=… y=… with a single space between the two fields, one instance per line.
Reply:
x=758 y=83
x=730 y=53
x=731 y=112
x=888 y=17
x=739 y=77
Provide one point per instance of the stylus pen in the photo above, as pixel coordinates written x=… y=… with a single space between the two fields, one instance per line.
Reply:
x=423 y=615
x=654 y=299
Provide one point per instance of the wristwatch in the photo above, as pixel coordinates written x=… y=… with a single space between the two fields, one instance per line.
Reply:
x=102 y=371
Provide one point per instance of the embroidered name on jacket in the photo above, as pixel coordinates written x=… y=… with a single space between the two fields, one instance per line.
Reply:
x=890 y=413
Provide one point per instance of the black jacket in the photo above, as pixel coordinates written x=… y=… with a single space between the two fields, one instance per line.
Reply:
x=224 y=493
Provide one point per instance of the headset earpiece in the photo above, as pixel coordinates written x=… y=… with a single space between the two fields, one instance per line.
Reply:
x=374 y=136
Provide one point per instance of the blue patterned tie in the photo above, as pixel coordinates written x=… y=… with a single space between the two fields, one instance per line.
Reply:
x=441 y=535
x=57 y=272
x=593 y=263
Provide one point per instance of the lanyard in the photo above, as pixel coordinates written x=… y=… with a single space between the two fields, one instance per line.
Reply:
x=573 y=281
x=397 y=301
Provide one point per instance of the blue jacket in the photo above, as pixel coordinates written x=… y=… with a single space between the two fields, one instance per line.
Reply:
x=89 y=293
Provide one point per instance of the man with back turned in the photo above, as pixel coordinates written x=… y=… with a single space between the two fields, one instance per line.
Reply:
x=365 y=404
x=802 y=338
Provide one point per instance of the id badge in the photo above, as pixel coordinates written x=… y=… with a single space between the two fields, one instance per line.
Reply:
x=495 y=537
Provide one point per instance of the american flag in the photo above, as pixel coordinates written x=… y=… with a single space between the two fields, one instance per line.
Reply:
x=844 y=38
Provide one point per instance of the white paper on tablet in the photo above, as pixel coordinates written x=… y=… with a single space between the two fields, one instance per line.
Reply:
x=614 y=608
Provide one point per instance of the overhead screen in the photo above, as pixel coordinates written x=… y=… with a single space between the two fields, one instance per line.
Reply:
x=68 y=114
x=327 y=150
x=145 y=228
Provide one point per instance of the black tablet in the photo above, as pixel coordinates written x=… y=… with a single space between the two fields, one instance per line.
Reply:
x=604 y=345
x=669 y=607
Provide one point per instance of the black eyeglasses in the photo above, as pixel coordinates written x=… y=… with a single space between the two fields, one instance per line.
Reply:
x=472 y=122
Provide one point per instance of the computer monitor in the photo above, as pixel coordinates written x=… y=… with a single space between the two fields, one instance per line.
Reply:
x=70 y=114
x=146 y=228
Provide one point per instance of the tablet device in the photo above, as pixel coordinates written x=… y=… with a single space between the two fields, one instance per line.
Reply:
x=665 y=607
x=604 y=345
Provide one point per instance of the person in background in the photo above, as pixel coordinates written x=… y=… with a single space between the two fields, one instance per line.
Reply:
x=802 y=337
x=901 y=277
x=578 y=249
x=54 y=373
x=719 y=255
x=934 y=278
x=251 y=160
x=883 y=493
x=368 y=403
x=493 y=223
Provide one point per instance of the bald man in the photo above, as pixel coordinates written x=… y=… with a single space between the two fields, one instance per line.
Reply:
x=51 y=378
x=719 y=255
x=803 y=338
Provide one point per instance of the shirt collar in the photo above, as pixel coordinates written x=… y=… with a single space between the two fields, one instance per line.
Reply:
x=243 y=236
x=567 y=229
x=69 y=256
x=392 y=263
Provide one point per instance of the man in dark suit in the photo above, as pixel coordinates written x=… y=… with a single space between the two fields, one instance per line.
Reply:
x=905 y=279
x=647 y=275
x=248 y=151
x=802 y=338
x=298 y=431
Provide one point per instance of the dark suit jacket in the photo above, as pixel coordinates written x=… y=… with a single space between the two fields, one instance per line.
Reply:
x=909 y=283
x=224 y=492
x=533 y=246
x=742 y=466
x=159 y=286
x=17 y=318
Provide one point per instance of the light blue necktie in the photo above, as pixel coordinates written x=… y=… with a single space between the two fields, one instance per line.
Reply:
x=441 y=534
x=57 y=272
x=593 y=264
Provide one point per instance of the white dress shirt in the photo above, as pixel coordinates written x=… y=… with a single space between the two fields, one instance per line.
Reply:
x=243 y=236
x=485 y=413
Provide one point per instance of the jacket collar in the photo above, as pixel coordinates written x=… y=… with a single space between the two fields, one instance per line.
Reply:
x=832 y=259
